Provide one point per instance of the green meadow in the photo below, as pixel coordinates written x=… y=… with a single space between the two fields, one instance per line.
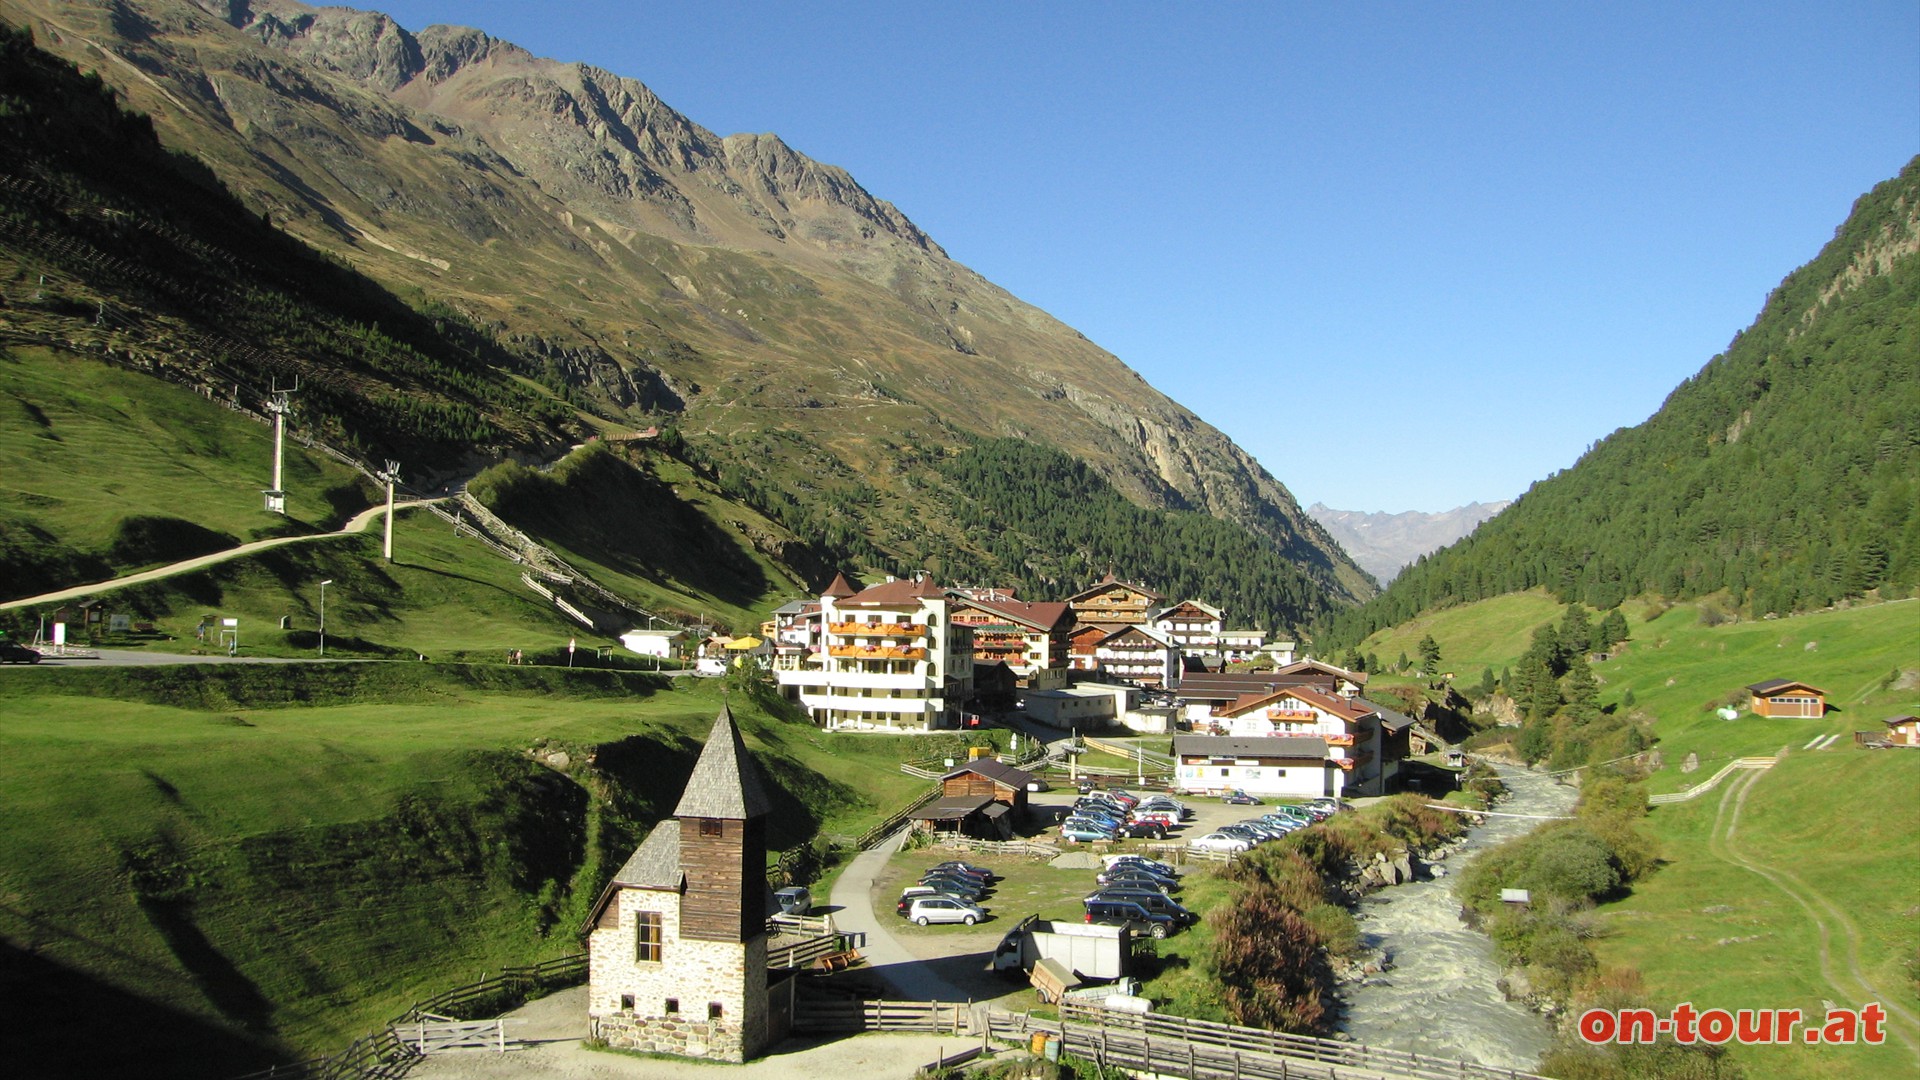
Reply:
x=1818 y=872
x=287 y=856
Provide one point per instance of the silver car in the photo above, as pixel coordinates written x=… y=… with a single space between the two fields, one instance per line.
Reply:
x=945 y=909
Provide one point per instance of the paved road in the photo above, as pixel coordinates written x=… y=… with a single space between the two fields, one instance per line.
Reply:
x=912 y=978
x=358 y=524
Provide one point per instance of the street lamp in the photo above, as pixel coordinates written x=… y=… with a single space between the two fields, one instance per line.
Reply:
x=323 y=615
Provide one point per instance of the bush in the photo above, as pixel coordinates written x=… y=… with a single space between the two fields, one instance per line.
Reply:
x=1569 y=863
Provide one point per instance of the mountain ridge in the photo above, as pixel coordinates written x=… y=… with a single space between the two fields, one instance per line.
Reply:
x=1384 y=543
x=729 y=285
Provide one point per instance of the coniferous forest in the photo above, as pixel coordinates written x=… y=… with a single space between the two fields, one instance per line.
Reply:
x=1786 y=472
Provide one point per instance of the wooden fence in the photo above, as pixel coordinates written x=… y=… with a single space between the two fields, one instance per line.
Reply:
x=1030 y=848
x=1710 y=782
x=823 y=1016
x=431 y=1034
x=511 y=983
x=379 y=1056
x=1203 y=1050
x=894 y=821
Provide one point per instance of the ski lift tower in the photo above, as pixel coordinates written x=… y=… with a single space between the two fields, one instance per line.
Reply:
x=276 y=496
x=390 y=474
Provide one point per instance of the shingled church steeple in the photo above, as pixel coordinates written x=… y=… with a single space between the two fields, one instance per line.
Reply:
x=723 y=845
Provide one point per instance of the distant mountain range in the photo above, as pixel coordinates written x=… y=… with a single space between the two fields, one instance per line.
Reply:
x=800 y=334
x=1384 y=544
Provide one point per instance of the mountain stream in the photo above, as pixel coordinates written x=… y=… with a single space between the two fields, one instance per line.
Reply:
x=1439 y=994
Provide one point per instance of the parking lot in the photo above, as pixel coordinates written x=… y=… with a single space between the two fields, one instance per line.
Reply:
x=1030 y=886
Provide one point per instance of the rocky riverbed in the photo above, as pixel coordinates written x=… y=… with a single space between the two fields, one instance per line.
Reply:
x=1426 y=982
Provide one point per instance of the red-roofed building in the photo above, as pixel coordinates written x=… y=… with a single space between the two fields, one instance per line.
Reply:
x=1364 y=741
x=1027 y=637
x=1114 y=601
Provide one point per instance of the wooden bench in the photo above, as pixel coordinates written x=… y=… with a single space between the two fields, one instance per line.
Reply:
x=839 y=961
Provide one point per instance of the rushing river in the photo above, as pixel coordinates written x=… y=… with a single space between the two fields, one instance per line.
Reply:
x=1439 y=997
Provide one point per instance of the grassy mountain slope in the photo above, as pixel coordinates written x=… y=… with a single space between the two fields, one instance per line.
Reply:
x=287 y=856
x=1704 y=928
x=1784 y=472
x=646 y=268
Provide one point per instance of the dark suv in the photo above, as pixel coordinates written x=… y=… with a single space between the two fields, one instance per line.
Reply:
x=1153 y=901
x=1131 y=915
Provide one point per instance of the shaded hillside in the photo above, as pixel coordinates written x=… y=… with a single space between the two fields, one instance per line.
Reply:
x=1787 y=472
x=646 y=268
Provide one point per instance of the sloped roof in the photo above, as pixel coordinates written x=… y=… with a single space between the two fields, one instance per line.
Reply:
x=995 y=770
x=903 y=591
x=725 y=783
x=1330 y=704
x=1390 y=720
x=1358 y=678
x=1774 y=686
x=1043 y=615
x=1109 y=582
x=953 y=809
x=1231 y=685
x=840 y=587
x=655 y=864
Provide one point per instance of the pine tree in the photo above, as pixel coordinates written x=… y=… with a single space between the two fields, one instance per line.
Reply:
x=1576 y=633
x=1583 y=693
x=1429 y=656
x=1486 y=681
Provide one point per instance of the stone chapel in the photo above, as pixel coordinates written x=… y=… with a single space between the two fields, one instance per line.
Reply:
x=677 y=945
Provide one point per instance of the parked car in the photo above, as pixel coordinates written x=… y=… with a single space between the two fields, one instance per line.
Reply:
x=1166 y=819
x=1161 y=803
x=12 y=653
x=1219 y=841
x=1137 y=870
x=1152 y=901
x=1131 y=915
x=1142 y=830
x=1154 y=865
x=1236 y=797
x=1297 y=813
x=795 y=900
x=917 y=892
x=1141 y=881
x=970 y=868
x=1077 y=832
x=955 y=886
x=945 y=909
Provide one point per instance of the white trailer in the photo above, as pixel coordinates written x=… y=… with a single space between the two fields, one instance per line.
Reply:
x=1089 y=950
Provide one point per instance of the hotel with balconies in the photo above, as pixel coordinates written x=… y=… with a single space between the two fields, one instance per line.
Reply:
x=889 y=658
x=1030 y=638
x=1296 y=741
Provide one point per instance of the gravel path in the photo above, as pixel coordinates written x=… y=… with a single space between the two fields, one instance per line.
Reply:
x=555 y=1028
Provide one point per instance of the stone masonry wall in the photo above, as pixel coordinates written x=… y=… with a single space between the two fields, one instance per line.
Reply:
x=628 y=998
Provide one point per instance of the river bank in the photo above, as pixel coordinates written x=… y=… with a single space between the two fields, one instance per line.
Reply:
x=1426 y=982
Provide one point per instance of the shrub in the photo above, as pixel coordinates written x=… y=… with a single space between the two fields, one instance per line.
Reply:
x=1266 y=960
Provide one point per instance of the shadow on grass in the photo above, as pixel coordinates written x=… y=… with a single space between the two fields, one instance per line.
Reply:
x=56 y=1017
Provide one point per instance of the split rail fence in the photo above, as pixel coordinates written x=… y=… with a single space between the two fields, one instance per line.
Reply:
x=1711 y=782
x=825 y=1016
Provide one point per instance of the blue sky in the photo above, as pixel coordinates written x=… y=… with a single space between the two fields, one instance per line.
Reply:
x=1408 y=255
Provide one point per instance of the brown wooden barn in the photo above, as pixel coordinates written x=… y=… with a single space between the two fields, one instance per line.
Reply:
x=989 y=779
x=1785 y=697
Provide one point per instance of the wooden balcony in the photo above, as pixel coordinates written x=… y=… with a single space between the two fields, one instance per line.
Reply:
x=876 y=652
x=863 y=629
x=1339 y=740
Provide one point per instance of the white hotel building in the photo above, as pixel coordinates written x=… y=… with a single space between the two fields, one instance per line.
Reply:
x=888 y=658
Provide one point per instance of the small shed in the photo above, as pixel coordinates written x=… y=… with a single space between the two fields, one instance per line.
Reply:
x=990 y=779
x=966 y=815
x=1787 y=698
x=1903 y=730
